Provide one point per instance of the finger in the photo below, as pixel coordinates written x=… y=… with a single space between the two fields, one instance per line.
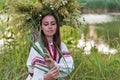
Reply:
x=56 y=74
x=48 y=56
x=48 y=60
x=55 y=69
x=46 y=50
x=49 y=76
x=52 y=70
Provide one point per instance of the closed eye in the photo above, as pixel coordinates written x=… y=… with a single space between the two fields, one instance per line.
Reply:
x=45 y=24
x=53 y=23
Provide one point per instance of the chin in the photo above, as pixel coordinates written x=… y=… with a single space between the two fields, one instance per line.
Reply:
x=49 y=35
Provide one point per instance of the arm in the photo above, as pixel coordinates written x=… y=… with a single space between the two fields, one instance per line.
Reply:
x=65 y=66
x=35 y=59
x=53 y=74
x=66 y=63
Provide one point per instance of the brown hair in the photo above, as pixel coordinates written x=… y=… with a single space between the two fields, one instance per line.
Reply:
x=56 y=36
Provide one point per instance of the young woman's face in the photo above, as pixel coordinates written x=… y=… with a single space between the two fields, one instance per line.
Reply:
x=49 y=26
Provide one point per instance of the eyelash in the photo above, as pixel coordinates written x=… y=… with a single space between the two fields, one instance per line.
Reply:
x=51 y=24
x=45 y=24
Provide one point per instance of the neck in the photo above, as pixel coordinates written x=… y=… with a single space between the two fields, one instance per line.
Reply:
x=49 y=39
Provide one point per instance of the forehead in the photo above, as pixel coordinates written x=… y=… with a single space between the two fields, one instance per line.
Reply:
x=48 y=18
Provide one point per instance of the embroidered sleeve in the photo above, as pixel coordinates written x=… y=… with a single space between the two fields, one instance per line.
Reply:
x=34 y=62
x=66 y=64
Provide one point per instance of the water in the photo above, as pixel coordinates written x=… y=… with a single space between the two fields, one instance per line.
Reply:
x=98 y=18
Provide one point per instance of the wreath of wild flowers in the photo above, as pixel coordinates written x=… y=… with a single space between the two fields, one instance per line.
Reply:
x=26 y=14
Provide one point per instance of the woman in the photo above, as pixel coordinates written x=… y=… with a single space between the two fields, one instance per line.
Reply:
x=50 y=34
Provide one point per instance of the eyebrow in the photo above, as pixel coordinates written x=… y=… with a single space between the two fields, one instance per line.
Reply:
x=53 y=21
x=47 y=21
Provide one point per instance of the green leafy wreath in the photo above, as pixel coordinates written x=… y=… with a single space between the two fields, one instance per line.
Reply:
x=28 y=13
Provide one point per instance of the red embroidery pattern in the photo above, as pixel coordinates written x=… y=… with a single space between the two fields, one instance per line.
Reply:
x=38 y=61
x=31 y=74
x=54 y=52
x=66 y=54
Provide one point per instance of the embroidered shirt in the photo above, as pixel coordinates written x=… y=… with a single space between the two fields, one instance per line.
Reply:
x=36 y=60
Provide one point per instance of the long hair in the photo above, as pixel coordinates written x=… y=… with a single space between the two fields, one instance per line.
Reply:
x=56 y=36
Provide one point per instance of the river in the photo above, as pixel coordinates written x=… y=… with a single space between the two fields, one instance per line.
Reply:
x=99 y=18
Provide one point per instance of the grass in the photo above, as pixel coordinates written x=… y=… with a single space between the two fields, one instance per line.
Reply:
x=13 y=62
x=109 y=32
x=96 y=66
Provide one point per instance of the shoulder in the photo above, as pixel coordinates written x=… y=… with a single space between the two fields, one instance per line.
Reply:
x=63 y=46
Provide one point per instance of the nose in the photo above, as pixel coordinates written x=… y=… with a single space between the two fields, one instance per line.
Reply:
x=50 y=26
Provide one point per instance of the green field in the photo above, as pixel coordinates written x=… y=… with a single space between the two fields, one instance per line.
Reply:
x=109 y=32
x=96 y=66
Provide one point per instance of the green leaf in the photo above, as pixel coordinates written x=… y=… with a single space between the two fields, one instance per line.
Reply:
x=61 y=79
x=41 y=43
x=36 y=47
x=77 y=69
x=65 y=63
x=2 y=2
x=41 y=69
x=63 y=72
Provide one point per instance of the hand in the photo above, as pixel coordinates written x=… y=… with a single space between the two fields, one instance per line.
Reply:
x=48 y=60
x=53 y=74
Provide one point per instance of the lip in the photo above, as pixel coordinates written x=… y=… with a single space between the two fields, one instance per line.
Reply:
x=50 y=30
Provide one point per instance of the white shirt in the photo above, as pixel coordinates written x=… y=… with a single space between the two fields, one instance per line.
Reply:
x=35 y=59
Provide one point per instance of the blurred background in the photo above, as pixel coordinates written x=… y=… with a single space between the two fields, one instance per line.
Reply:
x=95 y=45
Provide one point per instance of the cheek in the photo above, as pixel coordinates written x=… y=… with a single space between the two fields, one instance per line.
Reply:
x=43 y=29
x=55 y=28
